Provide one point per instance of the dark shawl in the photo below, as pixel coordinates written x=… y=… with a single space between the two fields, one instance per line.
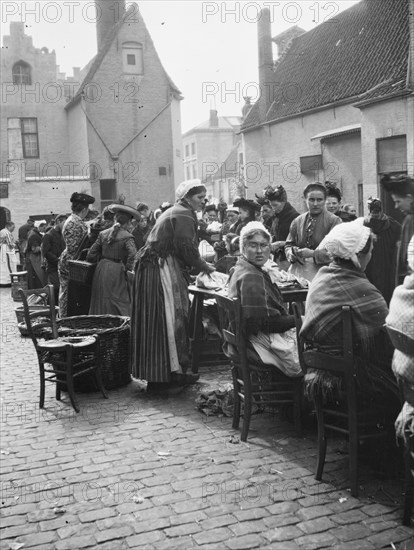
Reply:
x=281 y=222
x=261 y=300
x=381 y=269
x=175 y=234
x=336 y=285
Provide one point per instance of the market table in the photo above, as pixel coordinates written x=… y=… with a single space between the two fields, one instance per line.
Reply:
x=200 y=349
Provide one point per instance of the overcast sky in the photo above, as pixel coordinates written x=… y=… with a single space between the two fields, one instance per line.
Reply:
x=209 y=49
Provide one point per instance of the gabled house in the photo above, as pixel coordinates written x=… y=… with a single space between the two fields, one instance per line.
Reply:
x=113 y=129
x=337 y=104
x=207 y=145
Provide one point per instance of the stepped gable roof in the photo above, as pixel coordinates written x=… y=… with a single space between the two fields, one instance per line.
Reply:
x=95 y=63
x=360 y=49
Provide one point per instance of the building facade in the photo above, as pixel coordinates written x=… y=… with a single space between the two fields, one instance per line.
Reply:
x=206 y=146
x=336 y=105
x=112 y=130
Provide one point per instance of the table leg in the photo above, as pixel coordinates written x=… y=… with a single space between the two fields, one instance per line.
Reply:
x=196 y=330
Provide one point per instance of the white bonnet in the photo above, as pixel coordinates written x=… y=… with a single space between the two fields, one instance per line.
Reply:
x=346 y=240
x=186 y=186
x=38 y=223
x=250 y=228
x=410 y=253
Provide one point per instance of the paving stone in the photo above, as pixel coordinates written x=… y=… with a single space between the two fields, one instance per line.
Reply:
x=37 y=539
x=94 y=515
x=183 y=530
x=316 y=541
x=362 y=545
x=283 y=508
x=75 y=542
x=316 y=525
x=351 y=516
x=247 y=541
x=391 y=536
x=352 y=532
x=212 y=536
x=283 y=534
x=144 y=539
x=282 y=520
x=306 y=514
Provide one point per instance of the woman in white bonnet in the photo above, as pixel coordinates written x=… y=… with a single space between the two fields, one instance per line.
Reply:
x=160 y=345
x=343 y=282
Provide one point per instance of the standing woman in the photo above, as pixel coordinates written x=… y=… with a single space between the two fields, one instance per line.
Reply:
x=247 y=213
x=8 y=259
x=115 y=249
x=36 y=275
x=74 y=232
x=306 y=233
x=160 y=302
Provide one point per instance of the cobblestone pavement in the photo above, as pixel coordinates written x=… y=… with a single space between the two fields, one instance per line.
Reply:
x=141 y=471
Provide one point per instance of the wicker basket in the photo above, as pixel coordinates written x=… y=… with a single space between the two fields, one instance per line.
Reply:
x=81 y=272
x=114 y=334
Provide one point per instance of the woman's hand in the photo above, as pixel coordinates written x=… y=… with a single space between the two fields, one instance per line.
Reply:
x=305 y=253
x=277 y=245
x=209 y=268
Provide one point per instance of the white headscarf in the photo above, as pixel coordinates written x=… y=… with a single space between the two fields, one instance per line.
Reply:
x=38 y=223
x=410 y=254
x=346 y=240
x=186 y=186
x=250 y=228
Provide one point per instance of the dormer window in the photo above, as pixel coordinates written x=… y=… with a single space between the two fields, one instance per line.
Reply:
x=22 y=73
x=132 y=58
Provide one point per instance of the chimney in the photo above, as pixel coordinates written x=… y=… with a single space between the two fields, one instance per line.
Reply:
x=214 y=122
x=108 y=14
x=266 y=74
x=247 y=106
x=76 y=73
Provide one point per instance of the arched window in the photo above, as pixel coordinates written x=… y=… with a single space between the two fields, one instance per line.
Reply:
x=22 y=73
x=132 y=58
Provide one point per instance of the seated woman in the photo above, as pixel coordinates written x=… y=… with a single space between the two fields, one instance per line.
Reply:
x=268 y=323
x=400 y=317
x=115 y=248
x=343 y=282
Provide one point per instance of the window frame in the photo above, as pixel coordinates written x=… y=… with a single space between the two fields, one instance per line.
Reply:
x=23 y=65
x=137 y=50
x=23 y=134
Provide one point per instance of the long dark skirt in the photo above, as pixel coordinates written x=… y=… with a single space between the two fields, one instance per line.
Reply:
x=149 y=341
x=159 y=330
x=110 y=290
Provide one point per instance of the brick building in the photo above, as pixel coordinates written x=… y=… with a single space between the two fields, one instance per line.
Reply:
x=112 y=129
x=337 y=104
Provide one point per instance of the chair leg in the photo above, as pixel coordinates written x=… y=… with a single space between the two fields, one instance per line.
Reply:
x=353 y=451
x=247 y=410
x=297 y=407
x=237 y=400
x=42 y=385
x=69 y=379
x=409 y=480
x=99 y=382
x=321 y=439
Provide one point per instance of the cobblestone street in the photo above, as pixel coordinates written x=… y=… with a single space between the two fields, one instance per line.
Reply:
x=145 y=471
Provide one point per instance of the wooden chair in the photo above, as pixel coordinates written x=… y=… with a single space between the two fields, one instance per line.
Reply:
x=405 y=344
x=347 y=416
x=253 y=381
x=68 y=358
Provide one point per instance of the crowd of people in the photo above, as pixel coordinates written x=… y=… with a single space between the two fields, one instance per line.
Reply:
x=146 y=260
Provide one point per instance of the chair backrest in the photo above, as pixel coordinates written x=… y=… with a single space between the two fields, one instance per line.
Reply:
x=401 y=341
x=232 y=325
x=47 y=295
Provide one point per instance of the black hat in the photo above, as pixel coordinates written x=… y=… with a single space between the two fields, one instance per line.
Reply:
x=398 y=185
x=82 y=198
x=124 y=209
x=261 y=199
x=333 y=191
x=210 y=208
x=275 y=193
x=374 y=205
x=246 y=203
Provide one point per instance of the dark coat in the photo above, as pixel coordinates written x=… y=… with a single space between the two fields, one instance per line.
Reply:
x=52 y=247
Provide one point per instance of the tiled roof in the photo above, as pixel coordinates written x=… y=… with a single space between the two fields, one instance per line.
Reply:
x=339 y=60
x=95 y=63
